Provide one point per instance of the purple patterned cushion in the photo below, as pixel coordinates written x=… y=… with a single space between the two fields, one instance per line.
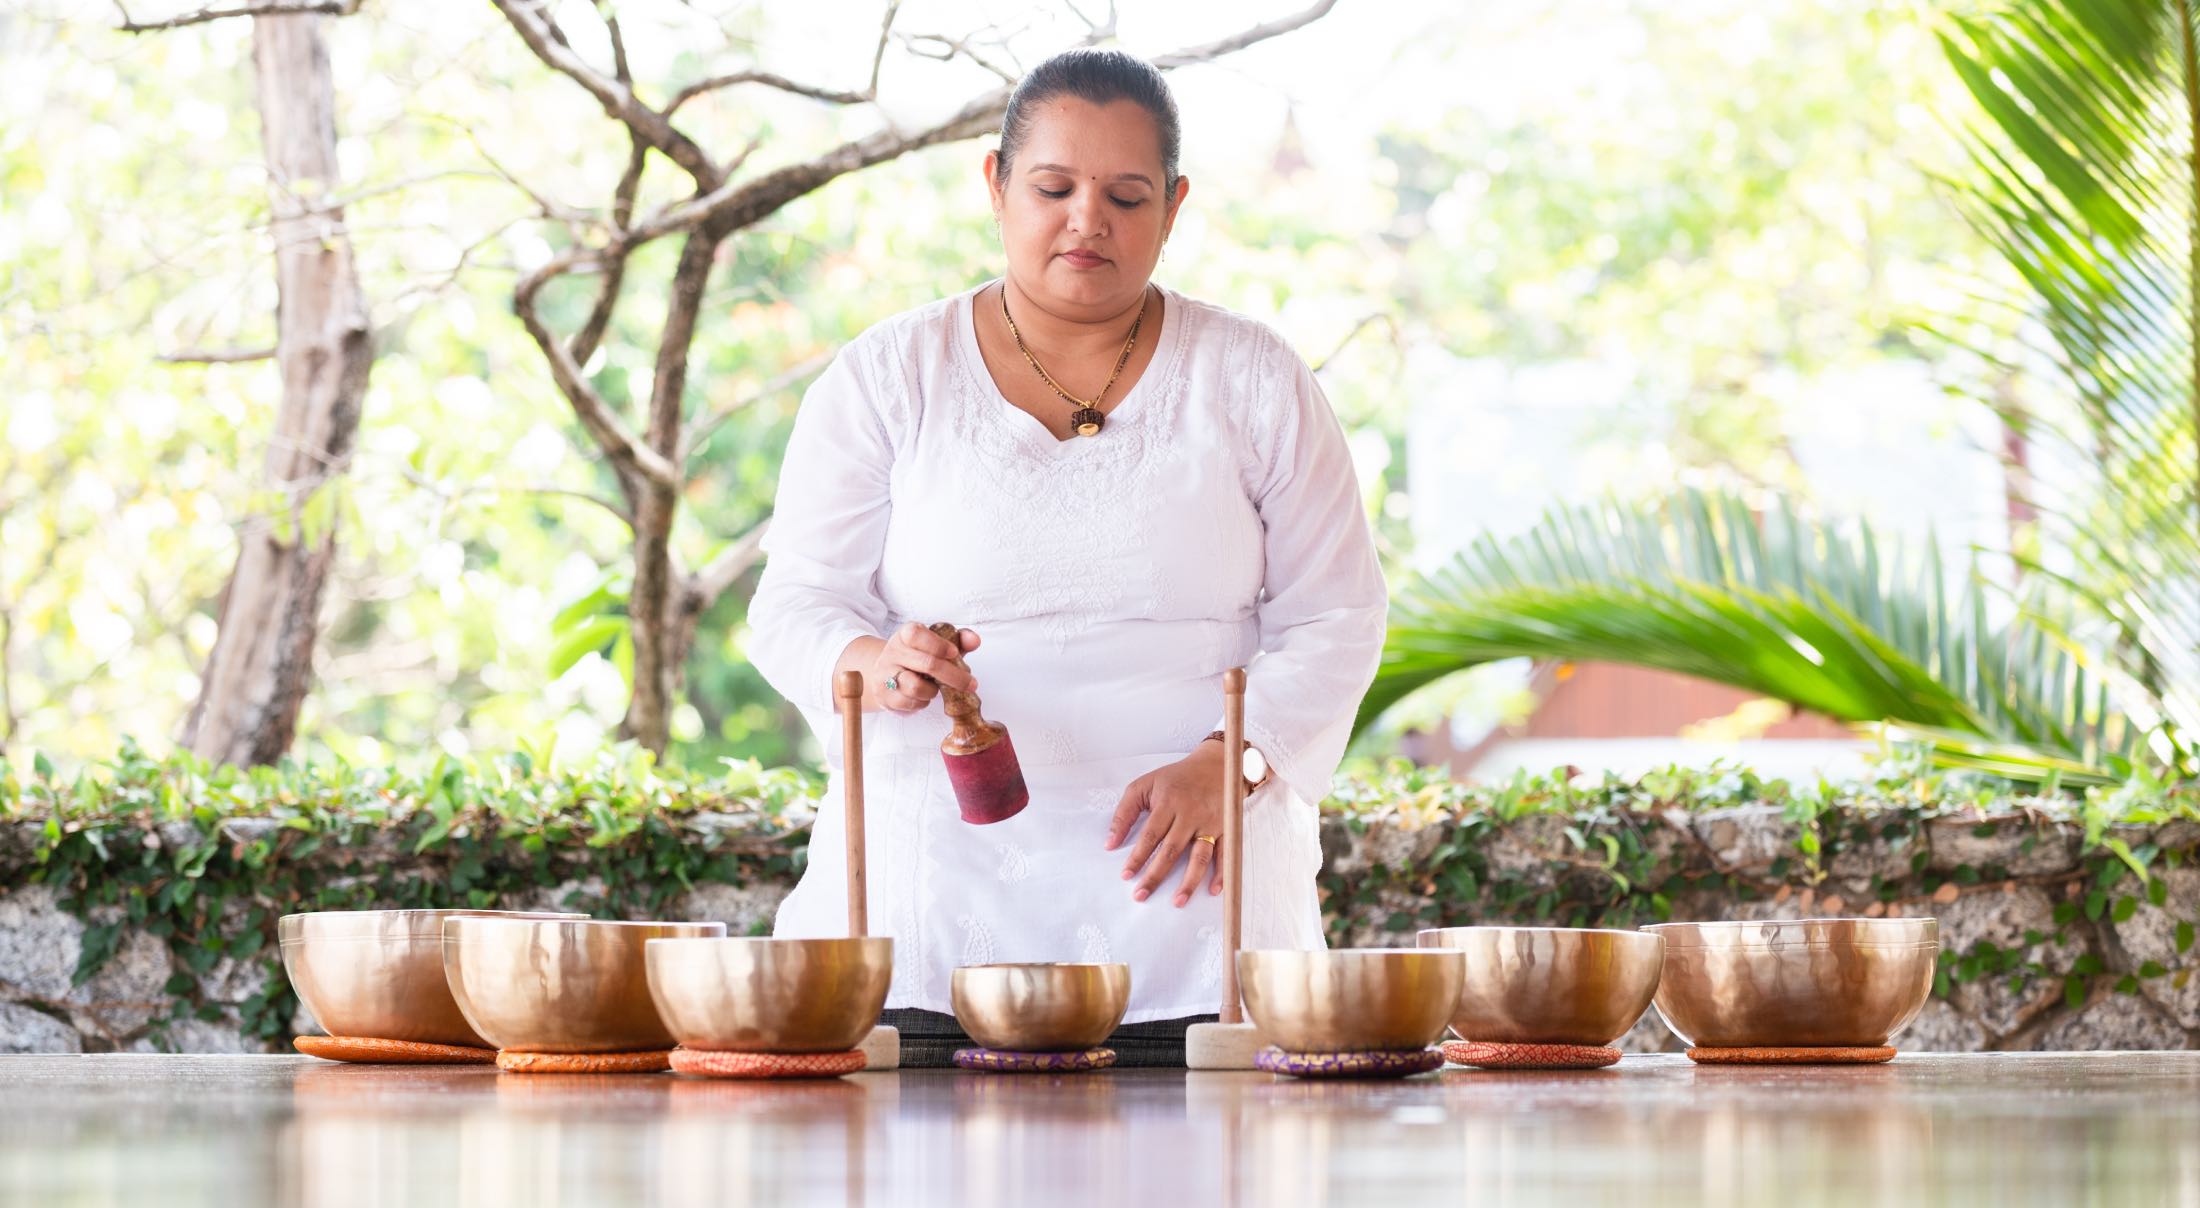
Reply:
x=1000 y=1062
x=1373 y=1064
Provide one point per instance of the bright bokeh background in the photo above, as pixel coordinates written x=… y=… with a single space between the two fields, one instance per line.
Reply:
x=1540 y=253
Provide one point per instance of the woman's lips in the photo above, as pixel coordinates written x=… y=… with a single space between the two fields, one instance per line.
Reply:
x=1084 y=259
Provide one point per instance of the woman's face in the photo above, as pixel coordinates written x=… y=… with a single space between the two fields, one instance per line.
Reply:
x=1083 y=213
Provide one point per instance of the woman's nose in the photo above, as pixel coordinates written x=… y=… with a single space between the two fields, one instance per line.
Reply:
x=1085 y=215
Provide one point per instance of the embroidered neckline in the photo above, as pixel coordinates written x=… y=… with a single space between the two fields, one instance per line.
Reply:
x=1012 y=424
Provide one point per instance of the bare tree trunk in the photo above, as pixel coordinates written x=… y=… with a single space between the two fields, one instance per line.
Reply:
x=262 y=661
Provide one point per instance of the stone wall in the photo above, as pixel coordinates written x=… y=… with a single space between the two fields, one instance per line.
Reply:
x=1998 y=886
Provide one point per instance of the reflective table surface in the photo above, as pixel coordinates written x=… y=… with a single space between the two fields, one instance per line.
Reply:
x=2102 y=1128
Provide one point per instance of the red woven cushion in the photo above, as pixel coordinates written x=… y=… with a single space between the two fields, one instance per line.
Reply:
x=1495 y=1055
x=714 y=1064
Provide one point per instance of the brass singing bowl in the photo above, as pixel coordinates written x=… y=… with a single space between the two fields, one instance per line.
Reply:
x=559 y=986
x=1550 y=985
x=770 y=995
x=1350 y=999
x=1795 y=983
x=1041 y=1008
x=379 y=973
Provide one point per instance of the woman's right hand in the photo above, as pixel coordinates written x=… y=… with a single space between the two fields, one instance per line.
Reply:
x=906 y=673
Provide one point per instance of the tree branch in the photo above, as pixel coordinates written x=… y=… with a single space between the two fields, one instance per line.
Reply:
x=632 y=459
x=1245 y=37
x=772 y=79
x=454 y=494
x=614 y=269
x=949 y=48
x=700 y=431
x=215 y=356
x=703 y=588
x=543 y=37
x=669 y=382
x=266 y=8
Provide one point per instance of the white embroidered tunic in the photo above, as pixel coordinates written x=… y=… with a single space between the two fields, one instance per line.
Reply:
x=1215 y=522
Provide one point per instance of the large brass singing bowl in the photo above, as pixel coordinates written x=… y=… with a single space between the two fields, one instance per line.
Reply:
x=1795 y=983
x=767 y=995
x=1041 y=1008
x=379 y=973
x=1350 y=999
x=567 y=986
x=1550 y=985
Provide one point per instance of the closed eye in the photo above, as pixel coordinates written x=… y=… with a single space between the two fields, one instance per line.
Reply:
x=1126 y=203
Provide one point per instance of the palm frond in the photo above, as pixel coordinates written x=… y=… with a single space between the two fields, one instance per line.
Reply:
x=1829 y=620
x=2083 y=157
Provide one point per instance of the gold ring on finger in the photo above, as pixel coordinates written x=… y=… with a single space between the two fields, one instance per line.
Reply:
x=1207 y=839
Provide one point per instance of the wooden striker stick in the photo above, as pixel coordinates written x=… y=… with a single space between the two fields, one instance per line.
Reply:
x=849 y=690
x=1233 y=839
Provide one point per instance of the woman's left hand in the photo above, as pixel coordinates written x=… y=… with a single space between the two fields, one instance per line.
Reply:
x=1181 y=802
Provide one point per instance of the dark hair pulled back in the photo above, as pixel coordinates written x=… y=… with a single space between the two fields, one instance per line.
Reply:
x=1101 y=77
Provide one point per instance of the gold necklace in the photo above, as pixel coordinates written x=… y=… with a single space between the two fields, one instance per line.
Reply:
x=1087 y=419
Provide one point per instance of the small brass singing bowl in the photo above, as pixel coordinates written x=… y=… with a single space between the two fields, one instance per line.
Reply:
x=1550 y=985
x=1801 y=983
x=562 y=986
x=1041 y=1008
x=1350 y=1000
x=379 y=973
x=770 y=995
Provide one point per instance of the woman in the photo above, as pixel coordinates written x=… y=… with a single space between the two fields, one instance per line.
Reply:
x=1121 y=493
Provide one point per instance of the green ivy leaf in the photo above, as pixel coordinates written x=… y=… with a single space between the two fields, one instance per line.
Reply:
x=2126 y=906
x=2184 y=935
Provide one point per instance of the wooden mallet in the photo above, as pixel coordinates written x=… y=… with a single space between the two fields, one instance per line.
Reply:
x=882 y=1048
x=981 y=760
x=1232 y=1043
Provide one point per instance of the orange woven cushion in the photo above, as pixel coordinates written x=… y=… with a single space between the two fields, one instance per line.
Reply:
x=1494 y=1055
x=715 y=1064
x=1792 y=1056
x=519 y=1061
x=390 y=1052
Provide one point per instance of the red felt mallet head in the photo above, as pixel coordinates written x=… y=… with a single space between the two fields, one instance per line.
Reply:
x=981 y=761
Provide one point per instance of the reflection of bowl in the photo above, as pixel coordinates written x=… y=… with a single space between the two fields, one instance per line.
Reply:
x=1550 y=985
x=770 y=996
x=1041 y=1008
x=379 y=973
x=1802 y=982
x=567 y=986
x=1350 y=999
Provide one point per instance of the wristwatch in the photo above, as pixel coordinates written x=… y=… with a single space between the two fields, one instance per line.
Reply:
x=1255 y=769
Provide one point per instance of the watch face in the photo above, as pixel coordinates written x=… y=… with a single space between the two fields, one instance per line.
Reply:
x=1256 y=765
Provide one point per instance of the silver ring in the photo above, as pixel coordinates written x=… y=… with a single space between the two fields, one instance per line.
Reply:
x=893 y=683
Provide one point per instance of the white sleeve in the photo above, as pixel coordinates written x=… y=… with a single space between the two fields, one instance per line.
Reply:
x=1323 y=604
x=819 y=589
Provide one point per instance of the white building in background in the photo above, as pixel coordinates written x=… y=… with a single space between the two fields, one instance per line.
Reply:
x=1490 y=447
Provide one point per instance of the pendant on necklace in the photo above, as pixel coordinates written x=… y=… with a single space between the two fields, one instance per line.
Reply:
x=1087 y=421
